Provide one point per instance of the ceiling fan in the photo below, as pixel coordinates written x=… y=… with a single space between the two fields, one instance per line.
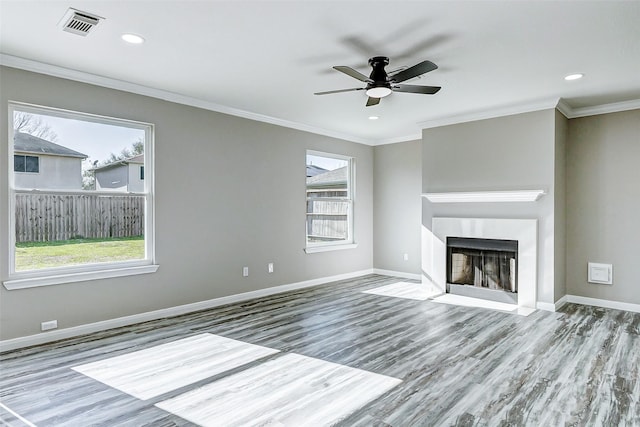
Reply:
x=381 y=84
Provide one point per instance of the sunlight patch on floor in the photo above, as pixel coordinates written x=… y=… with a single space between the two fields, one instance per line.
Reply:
x=154 y=371
x=290 y=390
x=415 y=291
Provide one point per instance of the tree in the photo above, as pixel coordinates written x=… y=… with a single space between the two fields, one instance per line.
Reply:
x=88 y=175
x=89 y=178
x=33 y=125
x=137 y=147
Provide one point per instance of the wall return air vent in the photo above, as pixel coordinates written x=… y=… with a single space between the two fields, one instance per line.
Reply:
x=78 y=22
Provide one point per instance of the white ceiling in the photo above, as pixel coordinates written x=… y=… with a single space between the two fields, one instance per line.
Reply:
x=265 y=59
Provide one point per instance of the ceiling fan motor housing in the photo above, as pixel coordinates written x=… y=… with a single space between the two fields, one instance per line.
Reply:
x=378 y=74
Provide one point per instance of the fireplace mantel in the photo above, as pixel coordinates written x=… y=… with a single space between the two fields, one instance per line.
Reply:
x=485 y=196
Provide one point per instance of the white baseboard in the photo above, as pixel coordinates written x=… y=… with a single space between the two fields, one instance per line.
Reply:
x=562 y=301
x=546 y=306
x=397 y=274
x=617 y=305
x=60 y=334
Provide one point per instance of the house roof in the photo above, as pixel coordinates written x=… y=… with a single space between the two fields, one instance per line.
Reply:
x=313 y=170
x=334 y=178
x=137 y=159
x=25 y=143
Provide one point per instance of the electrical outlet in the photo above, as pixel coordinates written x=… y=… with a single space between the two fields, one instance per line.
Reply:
x=270 y=267
x=245 y=271
x=406 y=257
x=51 y=324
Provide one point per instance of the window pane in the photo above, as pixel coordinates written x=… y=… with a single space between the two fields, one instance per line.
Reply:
x=90 y=207
x=32 y=164
x=19 y=163
x=328 y=199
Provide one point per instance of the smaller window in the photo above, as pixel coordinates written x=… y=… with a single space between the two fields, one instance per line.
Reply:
x=329 y=199
x=29 y=164
x=141 y=173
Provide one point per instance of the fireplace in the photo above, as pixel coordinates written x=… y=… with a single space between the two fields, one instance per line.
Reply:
x=483 y=263
x=487 y=258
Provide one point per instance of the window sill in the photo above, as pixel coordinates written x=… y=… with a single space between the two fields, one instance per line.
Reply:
x=329 y=248
x=34 y=282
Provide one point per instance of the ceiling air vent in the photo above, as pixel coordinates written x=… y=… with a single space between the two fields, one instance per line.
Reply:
x=78 y=22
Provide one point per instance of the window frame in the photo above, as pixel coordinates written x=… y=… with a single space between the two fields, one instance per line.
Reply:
x=85 y=272
x=25 y=163
x=349 y=242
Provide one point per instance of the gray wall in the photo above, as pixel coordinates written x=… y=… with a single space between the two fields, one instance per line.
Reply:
x=603 y=203
x=560 y=205
x=242 y=203
x=507 y=153
x=397 y=184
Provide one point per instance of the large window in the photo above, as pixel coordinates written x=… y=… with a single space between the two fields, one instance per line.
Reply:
x=88 y=211
x=329 y=201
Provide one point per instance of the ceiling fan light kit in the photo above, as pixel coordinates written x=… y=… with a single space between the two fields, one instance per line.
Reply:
x=378 y=92
x=381 y=84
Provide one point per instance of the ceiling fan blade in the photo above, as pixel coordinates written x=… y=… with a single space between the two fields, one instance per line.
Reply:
x=427 y=90
x=372 y=101
x=338 y=91
x=411 y=72
x=353 y=73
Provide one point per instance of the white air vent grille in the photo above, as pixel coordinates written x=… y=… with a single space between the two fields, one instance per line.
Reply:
x=78 y=22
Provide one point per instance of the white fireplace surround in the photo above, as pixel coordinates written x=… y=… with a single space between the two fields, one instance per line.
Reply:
x=525 y=231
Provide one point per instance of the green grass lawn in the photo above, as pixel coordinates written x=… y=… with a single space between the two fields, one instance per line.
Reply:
x=37 y=255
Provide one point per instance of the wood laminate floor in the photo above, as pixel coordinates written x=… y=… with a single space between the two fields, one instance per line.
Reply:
x=335 y=354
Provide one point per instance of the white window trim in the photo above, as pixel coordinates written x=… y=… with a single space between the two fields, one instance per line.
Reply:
x=350 y=242
x=86 y=272
x=114 y=270
x=329 y=248
x=25 y=156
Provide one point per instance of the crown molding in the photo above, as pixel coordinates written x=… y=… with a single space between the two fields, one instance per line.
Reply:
x=97 y=80
x=491 y=113
x=564 y=108
x=614 y=107
x=412 y=137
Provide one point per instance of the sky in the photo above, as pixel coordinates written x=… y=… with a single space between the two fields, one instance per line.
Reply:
x=96 y=140
x=326 y=162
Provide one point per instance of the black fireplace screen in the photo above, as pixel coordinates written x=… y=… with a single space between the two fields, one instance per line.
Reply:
x=485 y=263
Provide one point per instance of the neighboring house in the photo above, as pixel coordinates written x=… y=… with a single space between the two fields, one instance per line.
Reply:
x=327 y=219
x=313 y=170
x=328 y=183
x=41 y=164
x=125 y=175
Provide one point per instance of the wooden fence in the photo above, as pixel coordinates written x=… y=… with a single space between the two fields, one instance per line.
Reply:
x=327 y=220
x=48 y=216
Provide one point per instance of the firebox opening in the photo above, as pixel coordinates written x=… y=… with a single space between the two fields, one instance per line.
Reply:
x=482 y=263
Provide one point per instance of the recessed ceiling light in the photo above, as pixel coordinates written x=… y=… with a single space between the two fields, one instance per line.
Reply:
x=373 y=117
x=132 y=38
x=574 y=76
